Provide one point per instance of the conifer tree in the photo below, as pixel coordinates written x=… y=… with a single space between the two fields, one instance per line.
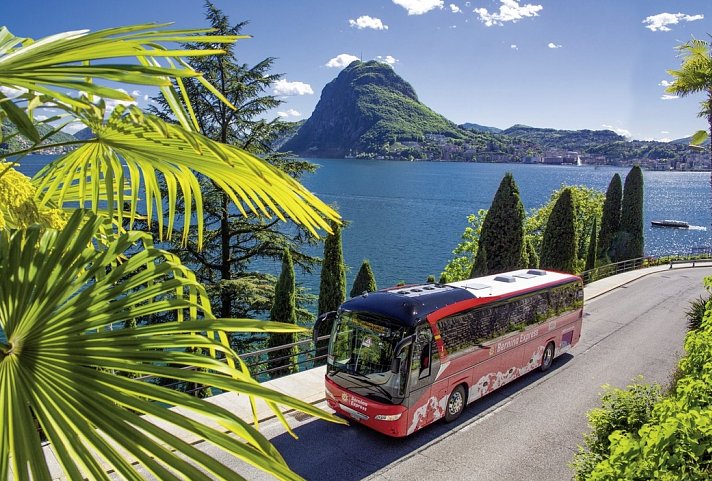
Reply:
x=502 y=237
x=443 y=279
x=530 y=258
x=332 y=286
x=431 y=279
x=592 y=248
x=365 y=280
x=611 y=219
x=284 y=309
x=479 y=268
x=629 y=242
x=558 y=249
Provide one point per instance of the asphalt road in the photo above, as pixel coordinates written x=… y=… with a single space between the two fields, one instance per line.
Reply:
x=528 y=430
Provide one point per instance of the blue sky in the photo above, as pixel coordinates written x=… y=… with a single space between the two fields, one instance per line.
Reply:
x=566 y=64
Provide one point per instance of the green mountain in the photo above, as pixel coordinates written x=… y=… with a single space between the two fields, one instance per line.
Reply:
x=480 y=128
x=579 y=140
x=369 y=110
x=12 y=143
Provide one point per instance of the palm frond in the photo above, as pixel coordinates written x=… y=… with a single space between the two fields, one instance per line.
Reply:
x=61 y=294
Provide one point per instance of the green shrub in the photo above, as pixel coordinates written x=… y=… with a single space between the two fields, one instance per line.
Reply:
x=696 y=312
x=623 y=410
x=674 y=442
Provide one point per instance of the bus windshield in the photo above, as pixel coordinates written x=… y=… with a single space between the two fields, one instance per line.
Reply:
x=364 y=345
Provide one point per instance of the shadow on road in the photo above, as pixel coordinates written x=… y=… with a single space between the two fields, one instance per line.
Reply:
x=326 y=451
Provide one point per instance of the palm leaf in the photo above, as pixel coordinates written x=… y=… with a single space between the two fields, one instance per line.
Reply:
x=60 y=296
x=134 y=151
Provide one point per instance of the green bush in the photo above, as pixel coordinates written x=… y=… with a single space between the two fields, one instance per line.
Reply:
x=621 y=410
x=696 y=312
x=675 y=443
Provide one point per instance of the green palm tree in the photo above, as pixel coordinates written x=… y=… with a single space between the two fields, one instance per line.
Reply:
x=695 y=76
x=70 y=274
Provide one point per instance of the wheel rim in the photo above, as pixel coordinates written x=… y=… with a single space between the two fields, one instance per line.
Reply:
x=548 y=354
x=456 y=402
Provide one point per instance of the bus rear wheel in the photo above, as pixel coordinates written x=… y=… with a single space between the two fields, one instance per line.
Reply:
x=455 y=404
x=547 y=358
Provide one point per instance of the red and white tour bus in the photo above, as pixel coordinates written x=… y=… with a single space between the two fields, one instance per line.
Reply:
x=404 y=357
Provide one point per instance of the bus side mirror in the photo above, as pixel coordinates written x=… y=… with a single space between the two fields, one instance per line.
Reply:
x=400 y=347
x=326 y=317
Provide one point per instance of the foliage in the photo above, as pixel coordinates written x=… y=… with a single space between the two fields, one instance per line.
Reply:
x=676 y=441
x=459 y=267
x=611 y=218
x=628 y=242
x=558 y=247
x=233 y=240
x=63 y=293
x=621 y=410
x=502 y=234
x=530 y=257
x=592 y=248
x=695 y=76
x=332 y=285
x=283 y=310
x=587 y=207
x=696 y=312
x=365 y=280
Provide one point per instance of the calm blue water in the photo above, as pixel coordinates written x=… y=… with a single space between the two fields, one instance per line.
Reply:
x=407 y=217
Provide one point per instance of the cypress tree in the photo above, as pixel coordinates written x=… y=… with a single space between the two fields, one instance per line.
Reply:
x=479 y=268
x=443 y=279
x=530 y=258
x=592 y=248
x=611 y=219
x=629 y=242
x=283 y=310
x=431 y=279
x=365 y=280
x=332 y=286
x=558 y=248
x=502 y=237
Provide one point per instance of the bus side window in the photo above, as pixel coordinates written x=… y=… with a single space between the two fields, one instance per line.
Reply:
x=422 y=351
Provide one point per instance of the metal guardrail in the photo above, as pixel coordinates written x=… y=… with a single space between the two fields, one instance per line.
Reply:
x=612 y=269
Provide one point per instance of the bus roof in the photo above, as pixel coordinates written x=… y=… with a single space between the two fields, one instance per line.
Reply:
x=407 y=305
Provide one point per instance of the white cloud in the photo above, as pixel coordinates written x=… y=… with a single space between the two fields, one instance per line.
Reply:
x=669 y=97
x=509 y=11
x=289 y=113
x=368 y=22
x=341 y=60
x=10 y=92
x=285 y=87
x=553 y=45
x=135 y=93
x=389 y=59
x=73 y=128
x=454 y=8
x=146 y=98
x=661 y=21
x=419 y=7
x=664 y=132
x=619 y=131
x=514 y=47
x=665 y=83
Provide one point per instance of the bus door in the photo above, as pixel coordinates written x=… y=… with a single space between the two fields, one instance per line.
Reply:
x=424 y=367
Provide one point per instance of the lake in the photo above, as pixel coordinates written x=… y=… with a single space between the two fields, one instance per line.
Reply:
x=407 y=217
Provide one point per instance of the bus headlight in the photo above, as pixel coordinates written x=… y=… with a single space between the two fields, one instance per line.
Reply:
x=388 y=417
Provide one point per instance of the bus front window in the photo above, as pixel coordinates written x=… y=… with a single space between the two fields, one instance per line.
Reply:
x=363 y=345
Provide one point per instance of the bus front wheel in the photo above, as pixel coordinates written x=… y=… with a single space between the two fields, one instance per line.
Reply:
x=547 y=358
x=455 y=404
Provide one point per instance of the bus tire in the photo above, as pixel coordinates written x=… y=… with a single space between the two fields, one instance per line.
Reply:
x=455 y=404
x=547 y=358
